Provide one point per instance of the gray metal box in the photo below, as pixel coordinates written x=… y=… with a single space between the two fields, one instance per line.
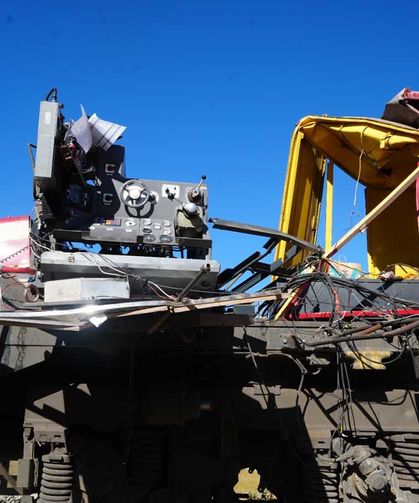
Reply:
x=79 y=289
x=171 y=273
x=49 y=112
x=24 y=473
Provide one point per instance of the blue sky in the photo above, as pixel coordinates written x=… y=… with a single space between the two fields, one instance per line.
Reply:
x=211 y=87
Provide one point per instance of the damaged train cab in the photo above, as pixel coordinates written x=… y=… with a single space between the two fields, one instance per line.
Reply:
x=133 y=369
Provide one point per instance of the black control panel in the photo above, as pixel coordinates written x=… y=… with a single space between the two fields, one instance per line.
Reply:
x=83 y=195
x=97 y=203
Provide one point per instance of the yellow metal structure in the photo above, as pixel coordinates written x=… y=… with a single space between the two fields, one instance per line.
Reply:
x=377 y=153
x=328 y=238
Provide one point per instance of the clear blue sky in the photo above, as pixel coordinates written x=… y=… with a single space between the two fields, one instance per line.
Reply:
x=211 y=87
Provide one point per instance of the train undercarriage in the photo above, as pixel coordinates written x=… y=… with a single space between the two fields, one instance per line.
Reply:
x=175 y=416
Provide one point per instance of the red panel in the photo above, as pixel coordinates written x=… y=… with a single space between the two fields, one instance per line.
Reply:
x=410 y=95
x=15 y=247
x=357 y=314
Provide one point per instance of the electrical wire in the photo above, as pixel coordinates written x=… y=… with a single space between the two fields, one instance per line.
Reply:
x=121 y=272
x=365 y=359
x=107 y=267
x=370 y=299
x=358 y=177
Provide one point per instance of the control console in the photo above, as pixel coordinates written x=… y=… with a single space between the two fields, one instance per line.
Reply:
x=88 y=211
x=85 y=197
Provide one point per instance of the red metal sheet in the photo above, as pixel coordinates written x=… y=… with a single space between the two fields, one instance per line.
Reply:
x=15 y=249
x=357 y=314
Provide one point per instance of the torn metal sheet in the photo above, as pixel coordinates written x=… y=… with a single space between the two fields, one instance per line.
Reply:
x=96 y=314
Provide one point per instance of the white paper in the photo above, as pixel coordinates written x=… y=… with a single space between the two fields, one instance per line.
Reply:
x=82 y=131
x=104 y=133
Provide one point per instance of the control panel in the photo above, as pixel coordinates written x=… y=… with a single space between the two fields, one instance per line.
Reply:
x=83 y=194
x=133 y=211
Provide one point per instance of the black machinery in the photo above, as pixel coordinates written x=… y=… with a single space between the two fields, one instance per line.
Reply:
x=134 y=370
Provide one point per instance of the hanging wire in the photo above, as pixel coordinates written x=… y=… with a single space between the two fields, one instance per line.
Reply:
x=357 y=180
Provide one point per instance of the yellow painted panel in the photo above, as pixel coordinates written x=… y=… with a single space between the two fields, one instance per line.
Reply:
x=405 y=271
x=302 y=195
x=328 y=239
x=393 y=236
x=386 y=151
x=382 y=154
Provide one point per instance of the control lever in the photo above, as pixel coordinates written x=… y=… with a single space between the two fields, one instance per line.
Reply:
x=195 y=193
